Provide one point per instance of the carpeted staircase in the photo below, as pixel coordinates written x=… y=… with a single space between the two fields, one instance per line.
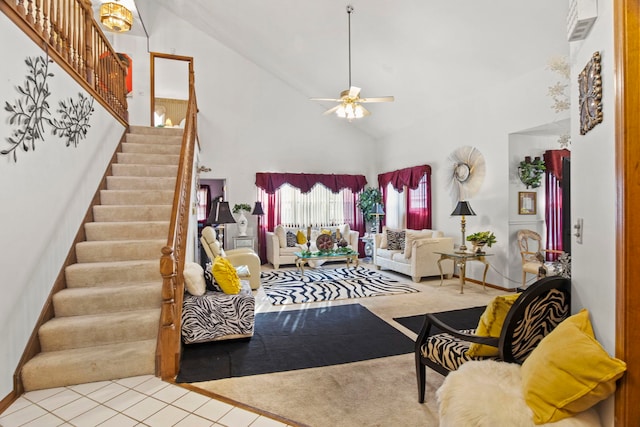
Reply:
x=106 y=320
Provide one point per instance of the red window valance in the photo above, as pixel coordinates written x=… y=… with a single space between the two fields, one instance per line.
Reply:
x=407 y=177
x=553 y=162
x=270 y=182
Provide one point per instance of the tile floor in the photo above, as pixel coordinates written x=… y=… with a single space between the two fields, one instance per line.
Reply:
x=136 y=401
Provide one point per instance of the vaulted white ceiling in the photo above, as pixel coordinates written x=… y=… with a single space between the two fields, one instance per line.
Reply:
x=428 y=54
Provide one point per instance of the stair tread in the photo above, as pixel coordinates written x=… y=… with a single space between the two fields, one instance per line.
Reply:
x=99 y=318
x=118 y=242
x=89 y=364
x=101 y=264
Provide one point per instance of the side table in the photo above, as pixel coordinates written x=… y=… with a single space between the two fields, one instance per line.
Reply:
x=460 y=259
x=243 y=242
x=368 y=247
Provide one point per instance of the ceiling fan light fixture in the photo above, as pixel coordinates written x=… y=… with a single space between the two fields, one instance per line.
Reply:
x=116 y=17
x=349 y=107
x=350 y=111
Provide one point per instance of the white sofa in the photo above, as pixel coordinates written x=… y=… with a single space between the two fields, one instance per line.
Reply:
x=416 y=255
x=279 y=253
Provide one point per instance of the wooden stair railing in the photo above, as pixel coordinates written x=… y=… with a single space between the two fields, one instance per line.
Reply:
x=173 y=254
x=67 y=32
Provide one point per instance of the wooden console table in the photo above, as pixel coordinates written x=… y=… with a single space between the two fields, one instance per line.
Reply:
x=460 y=259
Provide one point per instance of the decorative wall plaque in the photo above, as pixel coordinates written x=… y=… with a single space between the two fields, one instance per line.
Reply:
x=590 y=100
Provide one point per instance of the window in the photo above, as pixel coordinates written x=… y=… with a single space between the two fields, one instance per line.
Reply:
x=394 y=208
x=406 y=194
x=201 y=206
x=318 y=206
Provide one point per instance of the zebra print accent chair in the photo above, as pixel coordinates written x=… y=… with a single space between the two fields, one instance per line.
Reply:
x=217 y=316
x=536 y=312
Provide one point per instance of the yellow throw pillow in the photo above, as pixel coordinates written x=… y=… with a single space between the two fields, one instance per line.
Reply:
x=568 y=372
x=226 y=276
x=490 y=325
x=325 y=231
x=301 y=237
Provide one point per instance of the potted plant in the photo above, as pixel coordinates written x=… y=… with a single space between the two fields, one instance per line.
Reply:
x=530 y=171
x=480 y=239
x=367 y=201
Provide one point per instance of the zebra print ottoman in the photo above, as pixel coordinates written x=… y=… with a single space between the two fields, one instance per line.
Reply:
x=218 y=316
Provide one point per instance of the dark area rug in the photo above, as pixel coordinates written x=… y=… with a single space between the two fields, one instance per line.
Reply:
x=465 y=318
x=296 y=339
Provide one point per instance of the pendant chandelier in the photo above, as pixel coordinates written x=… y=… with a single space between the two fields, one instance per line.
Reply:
x=116 y=17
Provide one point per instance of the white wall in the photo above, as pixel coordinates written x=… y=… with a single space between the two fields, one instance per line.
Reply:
x=139 y=100
x=593 y=193
x=485 y=121
x=249 y=120
x=44 y=197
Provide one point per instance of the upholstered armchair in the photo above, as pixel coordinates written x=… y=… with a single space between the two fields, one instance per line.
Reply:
x=237 y=257
x=451 y=338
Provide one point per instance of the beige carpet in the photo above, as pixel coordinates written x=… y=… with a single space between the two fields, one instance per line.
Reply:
x=379 y=392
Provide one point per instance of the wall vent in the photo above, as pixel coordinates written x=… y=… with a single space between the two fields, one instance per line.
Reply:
x=582 y=14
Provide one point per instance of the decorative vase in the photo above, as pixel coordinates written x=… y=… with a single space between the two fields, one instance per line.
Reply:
x=478 y=247
x=242 y=225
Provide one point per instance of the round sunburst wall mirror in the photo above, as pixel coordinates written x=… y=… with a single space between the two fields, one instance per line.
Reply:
x=466 y=172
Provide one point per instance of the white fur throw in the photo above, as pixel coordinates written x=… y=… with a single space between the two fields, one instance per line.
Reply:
x=489 y=393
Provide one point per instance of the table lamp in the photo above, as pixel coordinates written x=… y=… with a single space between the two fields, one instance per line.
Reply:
x=377 y=212
x=220 y=214
x=462 y=209
x=257 y=210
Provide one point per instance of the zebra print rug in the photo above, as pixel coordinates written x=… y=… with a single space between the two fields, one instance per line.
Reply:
x=289 y=287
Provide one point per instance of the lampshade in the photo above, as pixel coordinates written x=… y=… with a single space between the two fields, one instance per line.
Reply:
x=377 y=209
x=116 y=17
x=257 y=209
x=220 y=214
x=350 y=110
x=463 y=208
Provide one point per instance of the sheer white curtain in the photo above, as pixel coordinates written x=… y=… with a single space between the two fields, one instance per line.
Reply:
x=318 y=207
x=395 y=208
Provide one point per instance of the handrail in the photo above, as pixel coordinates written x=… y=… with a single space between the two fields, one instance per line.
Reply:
x=173 y=254
x=66 y=30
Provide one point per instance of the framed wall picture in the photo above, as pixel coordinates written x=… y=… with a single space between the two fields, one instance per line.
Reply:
x=590 y=94
x=527 y=202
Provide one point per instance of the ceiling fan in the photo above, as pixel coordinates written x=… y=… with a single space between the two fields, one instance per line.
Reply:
x=350 y=102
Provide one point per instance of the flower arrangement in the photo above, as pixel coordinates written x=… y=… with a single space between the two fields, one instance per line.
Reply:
x=241 y=207
x=483 y=237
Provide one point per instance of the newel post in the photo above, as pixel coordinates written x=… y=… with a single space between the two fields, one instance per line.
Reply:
x=167 y=354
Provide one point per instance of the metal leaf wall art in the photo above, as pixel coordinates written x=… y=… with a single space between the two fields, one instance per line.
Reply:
x=30 y=113
x=74 y=119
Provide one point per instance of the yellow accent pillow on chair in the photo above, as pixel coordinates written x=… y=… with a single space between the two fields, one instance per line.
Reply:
x=226 y=276
x=490 y=324
x=568 y=372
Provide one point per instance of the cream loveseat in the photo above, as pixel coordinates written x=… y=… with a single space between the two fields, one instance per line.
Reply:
x=283 y=241
x=411 y=252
